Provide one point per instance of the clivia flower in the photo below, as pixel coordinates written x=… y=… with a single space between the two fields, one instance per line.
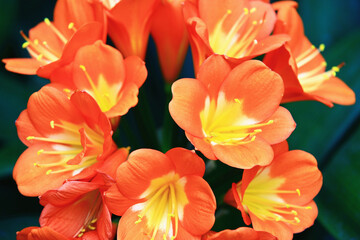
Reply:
x=78 y=209
x=279 y=198
x=53 y=44
x=237 y=29
x=129 y=23
x=302 y=66
x=112 y=81
x=242 y=233
x=173 y=201
x=232 y=114
x=67 y=139
x=170 y=35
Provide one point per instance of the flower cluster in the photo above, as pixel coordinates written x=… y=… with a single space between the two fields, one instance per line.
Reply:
x=230 y=112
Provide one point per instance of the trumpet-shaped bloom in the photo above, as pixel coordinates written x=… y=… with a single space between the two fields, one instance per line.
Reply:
x=302 y=66
x=129 y=23
x=279 y=198
x=237 y=29
x=242 y=233
x=170 y=35
x=112 y=81
x=175 y=202
x=77 y=209
x=67 y=139
x=232 y=114
x=53 y=44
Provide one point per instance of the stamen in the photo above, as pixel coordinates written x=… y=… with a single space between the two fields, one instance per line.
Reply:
x=55 y=30
x=63 y=141
x=25 y=44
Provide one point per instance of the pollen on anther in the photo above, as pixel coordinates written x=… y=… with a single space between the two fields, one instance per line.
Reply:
x=39 y=57
x=91 y=227
x=67 y=90
x=237 y=100
x=246 y=10
x=48 y=172
x=297 y=219
x=71 y=25
x=322 y=47
x=308 y=207
x=324 y=64
x=30 y=138
x=298 y=191
x=52 y=124
x=82 y=68
x=294 y=212
x=254 y=22
x=228 y=11
x=40 y=151
x=252 y=10
x=47 y=21
x=336 y=69
x=25 y=44
x=36 y=41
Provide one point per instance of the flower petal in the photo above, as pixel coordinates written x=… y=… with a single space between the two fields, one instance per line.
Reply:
x=186 y=162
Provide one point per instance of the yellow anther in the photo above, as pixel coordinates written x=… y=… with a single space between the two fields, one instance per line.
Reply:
x=48 y=172
x=313 y=46
x=91 y=227
x=83 y=230
x=253 y=139
x=287 y=206
x=25 y=44
x=270 y=122
x=71 y=25
x=237 y=100
x=67 y=90
x=297 y=219
x=36 y=165
x=30 y=138
x=278 y=218
x=80 y=234
x=229 y=11
x=324 y=64
x=298 y=191
x=254 y=22
x=334 y=74
x=257 y=131
x=39 y=57
x=294 y=212
x=52 y=124
x=308 y=207
x=40 y=151
x=44 y=42
x=171 y=215
x=336 y=69
x=246 y=10
x=138 y=221
x=47 y=21
x=83 y=68
x=322 y=47
x=252 y=10
x=36 y=41
x=94 y=220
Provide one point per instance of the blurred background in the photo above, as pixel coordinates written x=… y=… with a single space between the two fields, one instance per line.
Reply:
x=331 y=135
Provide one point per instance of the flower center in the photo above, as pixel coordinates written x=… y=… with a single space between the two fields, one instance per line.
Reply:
x=240 y=40
x=78 y=148
x=164 y=206
x=227 y=125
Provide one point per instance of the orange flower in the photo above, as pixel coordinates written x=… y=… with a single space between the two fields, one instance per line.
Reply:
x=129 y=23
x=302 y=66
x=232 y=114
x=52 y=44
x=111 y=80
x=170 y=35
x=77 y=209
x=176 y=203
x=67 y=139
x=237 y=29
x=278 y=198
x=242 y=233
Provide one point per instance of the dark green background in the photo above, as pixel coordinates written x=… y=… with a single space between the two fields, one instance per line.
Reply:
x=331 y=135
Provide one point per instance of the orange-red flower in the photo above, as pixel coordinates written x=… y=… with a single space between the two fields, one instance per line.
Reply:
x=232 y=114
x=170 y=35
x=242 y=233
x=101 y=71
x=52 y=44
x=67 y=139
x=77 y=209
x=237 y=29
x=302 y=66
x=175 y=201
x=129 y=23
x=279 y=198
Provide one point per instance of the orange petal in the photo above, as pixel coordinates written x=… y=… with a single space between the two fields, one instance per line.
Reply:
x=201 y=145
x=39 y=233
x=242 y=233
x=112 y=162
x=27 y=66
x=117 y=203
x=188 y=101
x=25 y=128
x=129 y=230
x=259 y=89
x=186 y=162
x=280 y=129
x=199 y=212
x=306 y=216
x=245 y=156
x=135 y=70
x=134 y=176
